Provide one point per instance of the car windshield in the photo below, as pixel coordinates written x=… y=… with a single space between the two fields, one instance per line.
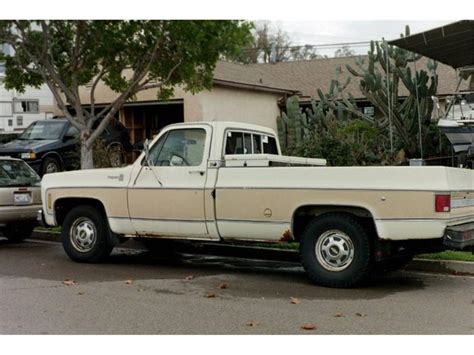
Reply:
x=17 y=173
x=40 y=130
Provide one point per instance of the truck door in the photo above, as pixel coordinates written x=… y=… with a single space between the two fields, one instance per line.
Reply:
x=167 y=197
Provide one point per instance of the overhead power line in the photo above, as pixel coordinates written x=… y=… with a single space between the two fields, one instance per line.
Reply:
x=316 y=46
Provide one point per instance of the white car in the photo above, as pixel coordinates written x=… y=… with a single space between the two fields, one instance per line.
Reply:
x=20 y=199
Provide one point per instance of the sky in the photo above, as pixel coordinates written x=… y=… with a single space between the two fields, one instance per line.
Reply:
x=315 y=32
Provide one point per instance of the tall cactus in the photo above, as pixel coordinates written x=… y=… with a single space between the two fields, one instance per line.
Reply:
x=291 y=126
x=384 y=61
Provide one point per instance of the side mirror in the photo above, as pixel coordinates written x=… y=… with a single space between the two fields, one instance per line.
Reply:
x=146 y=149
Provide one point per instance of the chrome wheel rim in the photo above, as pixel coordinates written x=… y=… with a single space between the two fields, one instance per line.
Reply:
x=334 y=250
x=51 y=168
x=83 y=234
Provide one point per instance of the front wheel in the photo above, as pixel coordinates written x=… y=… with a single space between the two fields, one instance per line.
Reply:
x=335 y=251
x=85 y=235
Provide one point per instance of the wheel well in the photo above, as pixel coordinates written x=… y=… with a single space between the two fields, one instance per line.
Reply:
x=305 y=214
x=64 y=205
x=55 y=156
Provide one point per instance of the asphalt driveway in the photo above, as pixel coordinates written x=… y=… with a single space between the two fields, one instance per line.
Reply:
x=43 y=292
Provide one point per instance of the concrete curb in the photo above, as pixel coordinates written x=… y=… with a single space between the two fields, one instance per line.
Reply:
x=452 y=267
x=241 y=251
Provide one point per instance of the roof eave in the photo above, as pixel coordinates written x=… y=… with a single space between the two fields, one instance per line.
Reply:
x=220 y=82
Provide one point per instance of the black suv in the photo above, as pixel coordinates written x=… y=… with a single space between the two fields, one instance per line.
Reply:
x=52 y=145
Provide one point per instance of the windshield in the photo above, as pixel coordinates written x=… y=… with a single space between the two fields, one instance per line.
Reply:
x=40 y=130
x=17 y=173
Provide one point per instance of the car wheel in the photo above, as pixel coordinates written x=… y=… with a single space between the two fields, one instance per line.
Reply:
x=50 y=165
x=335 y=251
x=85 y=235
x=116 y=156
x=16 y=233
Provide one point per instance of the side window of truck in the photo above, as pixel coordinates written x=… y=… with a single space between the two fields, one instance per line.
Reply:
x=249 y=143
x=179 y=147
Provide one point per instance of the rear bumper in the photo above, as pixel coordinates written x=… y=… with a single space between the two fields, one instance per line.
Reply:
x=460 y=236
x=9 y=214
x=40 y=218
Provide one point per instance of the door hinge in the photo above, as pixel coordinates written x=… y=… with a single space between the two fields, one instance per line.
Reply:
x=213 y=194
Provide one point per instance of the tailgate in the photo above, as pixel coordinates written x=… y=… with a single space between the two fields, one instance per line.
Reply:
x=461 y=184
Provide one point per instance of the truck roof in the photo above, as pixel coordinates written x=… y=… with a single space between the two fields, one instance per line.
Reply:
x=223 y=125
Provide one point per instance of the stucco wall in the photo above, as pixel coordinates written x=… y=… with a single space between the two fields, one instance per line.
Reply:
x=220 y=103
x=231 y=104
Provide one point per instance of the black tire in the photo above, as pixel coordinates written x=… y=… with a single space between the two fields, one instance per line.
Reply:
x=16 y=233
x=50 y=165
x=84 y=223
x=339 y=234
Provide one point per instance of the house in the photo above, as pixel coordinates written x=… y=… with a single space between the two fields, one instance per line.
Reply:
x=18 y=110
x=238 y=94
x=253 y=93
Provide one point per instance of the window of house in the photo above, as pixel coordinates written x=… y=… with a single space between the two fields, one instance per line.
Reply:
x=10 y=123
x=19 y=121
x=26 y=106
x=5 y=109
x=369 y=111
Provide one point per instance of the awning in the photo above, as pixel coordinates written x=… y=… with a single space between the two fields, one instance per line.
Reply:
x=452 y=44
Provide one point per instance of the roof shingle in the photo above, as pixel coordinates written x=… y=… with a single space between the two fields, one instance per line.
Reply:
x=307 y=76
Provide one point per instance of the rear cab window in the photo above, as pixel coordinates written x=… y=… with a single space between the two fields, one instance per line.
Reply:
x=242 y=142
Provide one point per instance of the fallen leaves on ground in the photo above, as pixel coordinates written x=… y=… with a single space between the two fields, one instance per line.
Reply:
x=252 y=323
x=308 y=326
x=189 y=277
x=128 y=282
x=294 y=300
x=69 y=282
x=223 y=286
x=361 y=314
x=211 y=295
x=339 y=315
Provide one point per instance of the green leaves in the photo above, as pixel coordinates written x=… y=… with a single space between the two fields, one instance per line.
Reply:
x=128 y=56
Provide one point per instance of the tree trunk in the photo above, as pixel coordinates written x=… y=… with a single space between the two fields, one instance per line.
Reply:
x=87 y=157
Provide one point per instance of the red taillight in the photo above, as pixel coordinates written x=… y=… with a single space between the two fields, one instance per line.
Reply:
x=443 y=203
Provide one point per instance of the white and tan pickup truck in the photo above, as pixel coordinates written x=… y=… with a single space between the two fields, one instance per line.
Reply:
x=217 y=181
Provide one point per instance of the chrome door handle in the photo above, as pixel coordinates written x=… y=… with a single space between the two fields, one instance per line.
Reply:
x=200 y=172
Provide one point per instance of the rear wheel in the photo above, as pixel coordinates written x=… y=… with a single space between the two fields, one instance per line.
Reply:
x=335 y=251
x=85 y=235
x=16 y=233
